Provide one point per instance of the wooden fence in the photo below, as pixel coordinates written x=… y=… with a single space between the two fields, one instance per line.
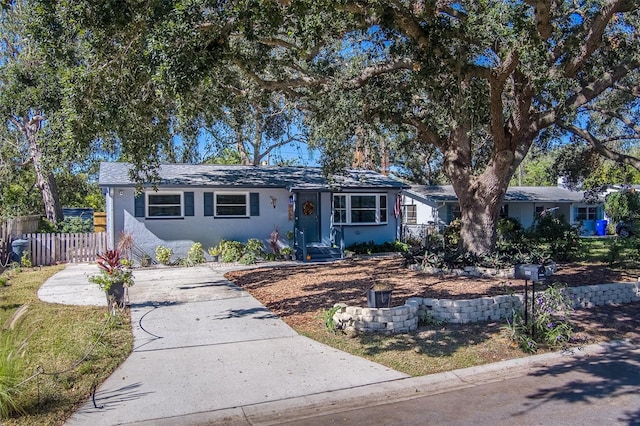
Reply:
x=49 y=249
x=99 y=221
x=15 y=226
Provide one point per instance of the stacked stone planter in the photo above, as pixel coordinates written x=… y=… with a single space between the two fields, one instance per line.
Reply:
x=402 y=319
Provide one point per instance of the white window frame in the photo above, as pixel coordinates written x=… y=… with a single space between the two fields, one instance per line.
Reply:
x=348 y=209
x=247 y=207
x=589 y=211
x=406 y=216
x=148 y=204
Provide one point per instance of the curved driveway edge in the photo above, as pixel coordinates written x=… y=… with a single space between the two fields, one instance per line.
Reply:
x=206 y=352
x=203 y=346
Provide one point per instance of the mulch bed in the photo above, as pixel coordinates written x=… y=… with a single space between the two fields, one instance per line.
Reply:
x=298 y=294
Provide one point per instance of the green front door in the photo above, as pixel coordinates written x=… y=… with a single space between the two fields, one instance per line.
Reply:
x=308 y=216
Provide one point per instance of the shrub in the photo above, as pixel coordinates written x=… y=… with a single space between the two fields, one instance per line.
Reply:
x=327 y=318
x=561 y=239
x=452 y=233
x=163 y=255
x=25 y=260
x=622 y=205
x=72 y=225
x=371 y=247
x=452 y=258
x=231 y=251
x=549 y=321
x=248 y=258
x=255 y=247
x=195 y=255
x=509 y=229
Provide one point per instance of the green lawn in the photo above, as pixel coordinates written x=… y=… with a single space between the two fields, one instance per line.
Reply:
x=611 y=250
x=83 y=345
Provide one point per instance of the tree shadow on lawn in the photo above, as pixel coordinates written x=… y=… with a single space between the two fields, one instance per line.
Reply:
x=574 y=274
x=435 y=341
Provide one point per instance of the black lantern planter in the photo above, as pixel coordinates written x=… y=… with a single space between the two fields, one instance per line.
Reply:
x=379 y=298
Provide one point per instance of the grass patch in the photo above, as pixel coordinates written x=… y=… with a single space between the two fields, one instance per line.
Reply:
x=429 y=350
x=614 y=251
x=59 y=336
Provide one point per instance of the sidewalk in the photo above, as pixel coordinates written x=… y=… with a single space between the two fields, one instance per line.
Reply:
x=205 y=351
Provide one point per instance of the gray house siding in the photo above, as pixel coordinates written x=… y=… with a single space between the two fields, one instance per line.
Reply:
x=522 y=203
x=180 y=233
x=207 y=203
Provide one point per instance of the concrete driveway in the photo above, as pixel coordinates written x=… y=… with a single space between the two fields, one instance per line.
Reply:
x=205 y=351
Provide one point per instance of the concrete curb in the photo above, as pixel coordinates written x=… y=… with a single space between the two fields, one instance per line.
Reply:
x=297 y=409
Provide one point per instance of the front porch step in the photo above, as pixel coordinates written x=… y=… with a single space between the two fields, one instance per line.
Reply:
x=320 y=253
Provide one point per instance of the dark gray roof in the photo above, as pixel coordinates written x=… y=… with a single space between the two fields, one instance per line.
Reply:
x=514 y=193
x=221 y=176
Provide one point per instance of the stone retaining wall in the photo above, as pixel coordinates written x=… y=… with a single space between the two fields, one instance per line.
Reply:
x=402 y=319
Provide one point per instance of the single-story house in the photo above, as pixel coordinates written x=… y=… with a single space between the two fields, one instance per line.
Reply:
x=208 y=203
x=438 y=205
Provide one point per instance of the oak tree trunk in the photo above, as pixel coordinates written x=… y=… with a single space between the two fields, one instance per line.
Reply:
x=480 y=196
x=45 y=181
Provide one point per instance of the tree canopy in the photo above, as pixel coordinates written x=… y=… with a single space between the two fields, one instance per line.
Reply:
x=479 y=81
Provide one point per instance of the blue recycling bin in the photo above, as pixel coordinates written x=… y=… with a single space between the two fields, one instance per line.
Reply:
x=18 y=247
x=601 y=228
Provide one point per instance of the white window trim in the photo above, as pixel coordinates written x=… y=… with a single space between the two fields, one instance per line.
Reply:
x=247 y=207
x=587 y=208
x=148 y=204
x=348 y=208
x=405 y=214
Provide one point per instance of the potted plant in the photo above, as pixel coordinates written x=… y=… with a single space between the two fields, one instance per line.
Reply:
x=215 y=253
x=289 y=235
x=145 y=260
x=286 y=252
x=113 y=277
x=379 y=296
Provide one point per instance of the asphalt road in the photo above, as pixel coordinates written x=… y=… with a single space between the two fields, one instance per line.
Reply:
x=601 y=389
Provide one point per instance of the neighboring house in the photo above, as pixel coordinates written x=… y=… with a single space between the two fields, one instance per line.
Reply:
x=207 y=203
x=438 y=206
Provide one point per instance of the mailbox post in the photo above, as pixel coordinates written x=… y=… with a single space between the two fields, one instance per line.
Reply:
x=527 y=272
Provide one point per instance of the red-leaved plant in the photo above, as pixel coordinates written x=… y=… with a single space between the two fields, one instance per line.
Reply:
x=111 y=271
x=109 y=261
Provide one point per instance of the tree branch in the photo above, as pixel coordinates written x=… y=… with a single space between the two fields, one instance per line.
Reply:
x=376 y=70
x=625 y=120
x=542 y=12
x=600 y=147
x=583 y=96
x=597 y=28
x=498 y=78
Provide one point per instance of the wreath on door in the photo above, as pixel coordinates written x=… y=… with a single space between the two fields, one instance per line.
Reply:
x=307 y=208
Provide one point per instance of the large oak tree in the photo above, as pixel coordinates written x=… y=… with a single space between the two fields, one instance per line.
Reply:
x=480 y=81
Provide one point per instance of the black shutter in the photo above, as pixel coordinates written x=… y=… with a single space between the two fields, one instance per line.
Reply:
x=254 y=201
x=188 y=204
x=139 y=205
x=208 y=203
